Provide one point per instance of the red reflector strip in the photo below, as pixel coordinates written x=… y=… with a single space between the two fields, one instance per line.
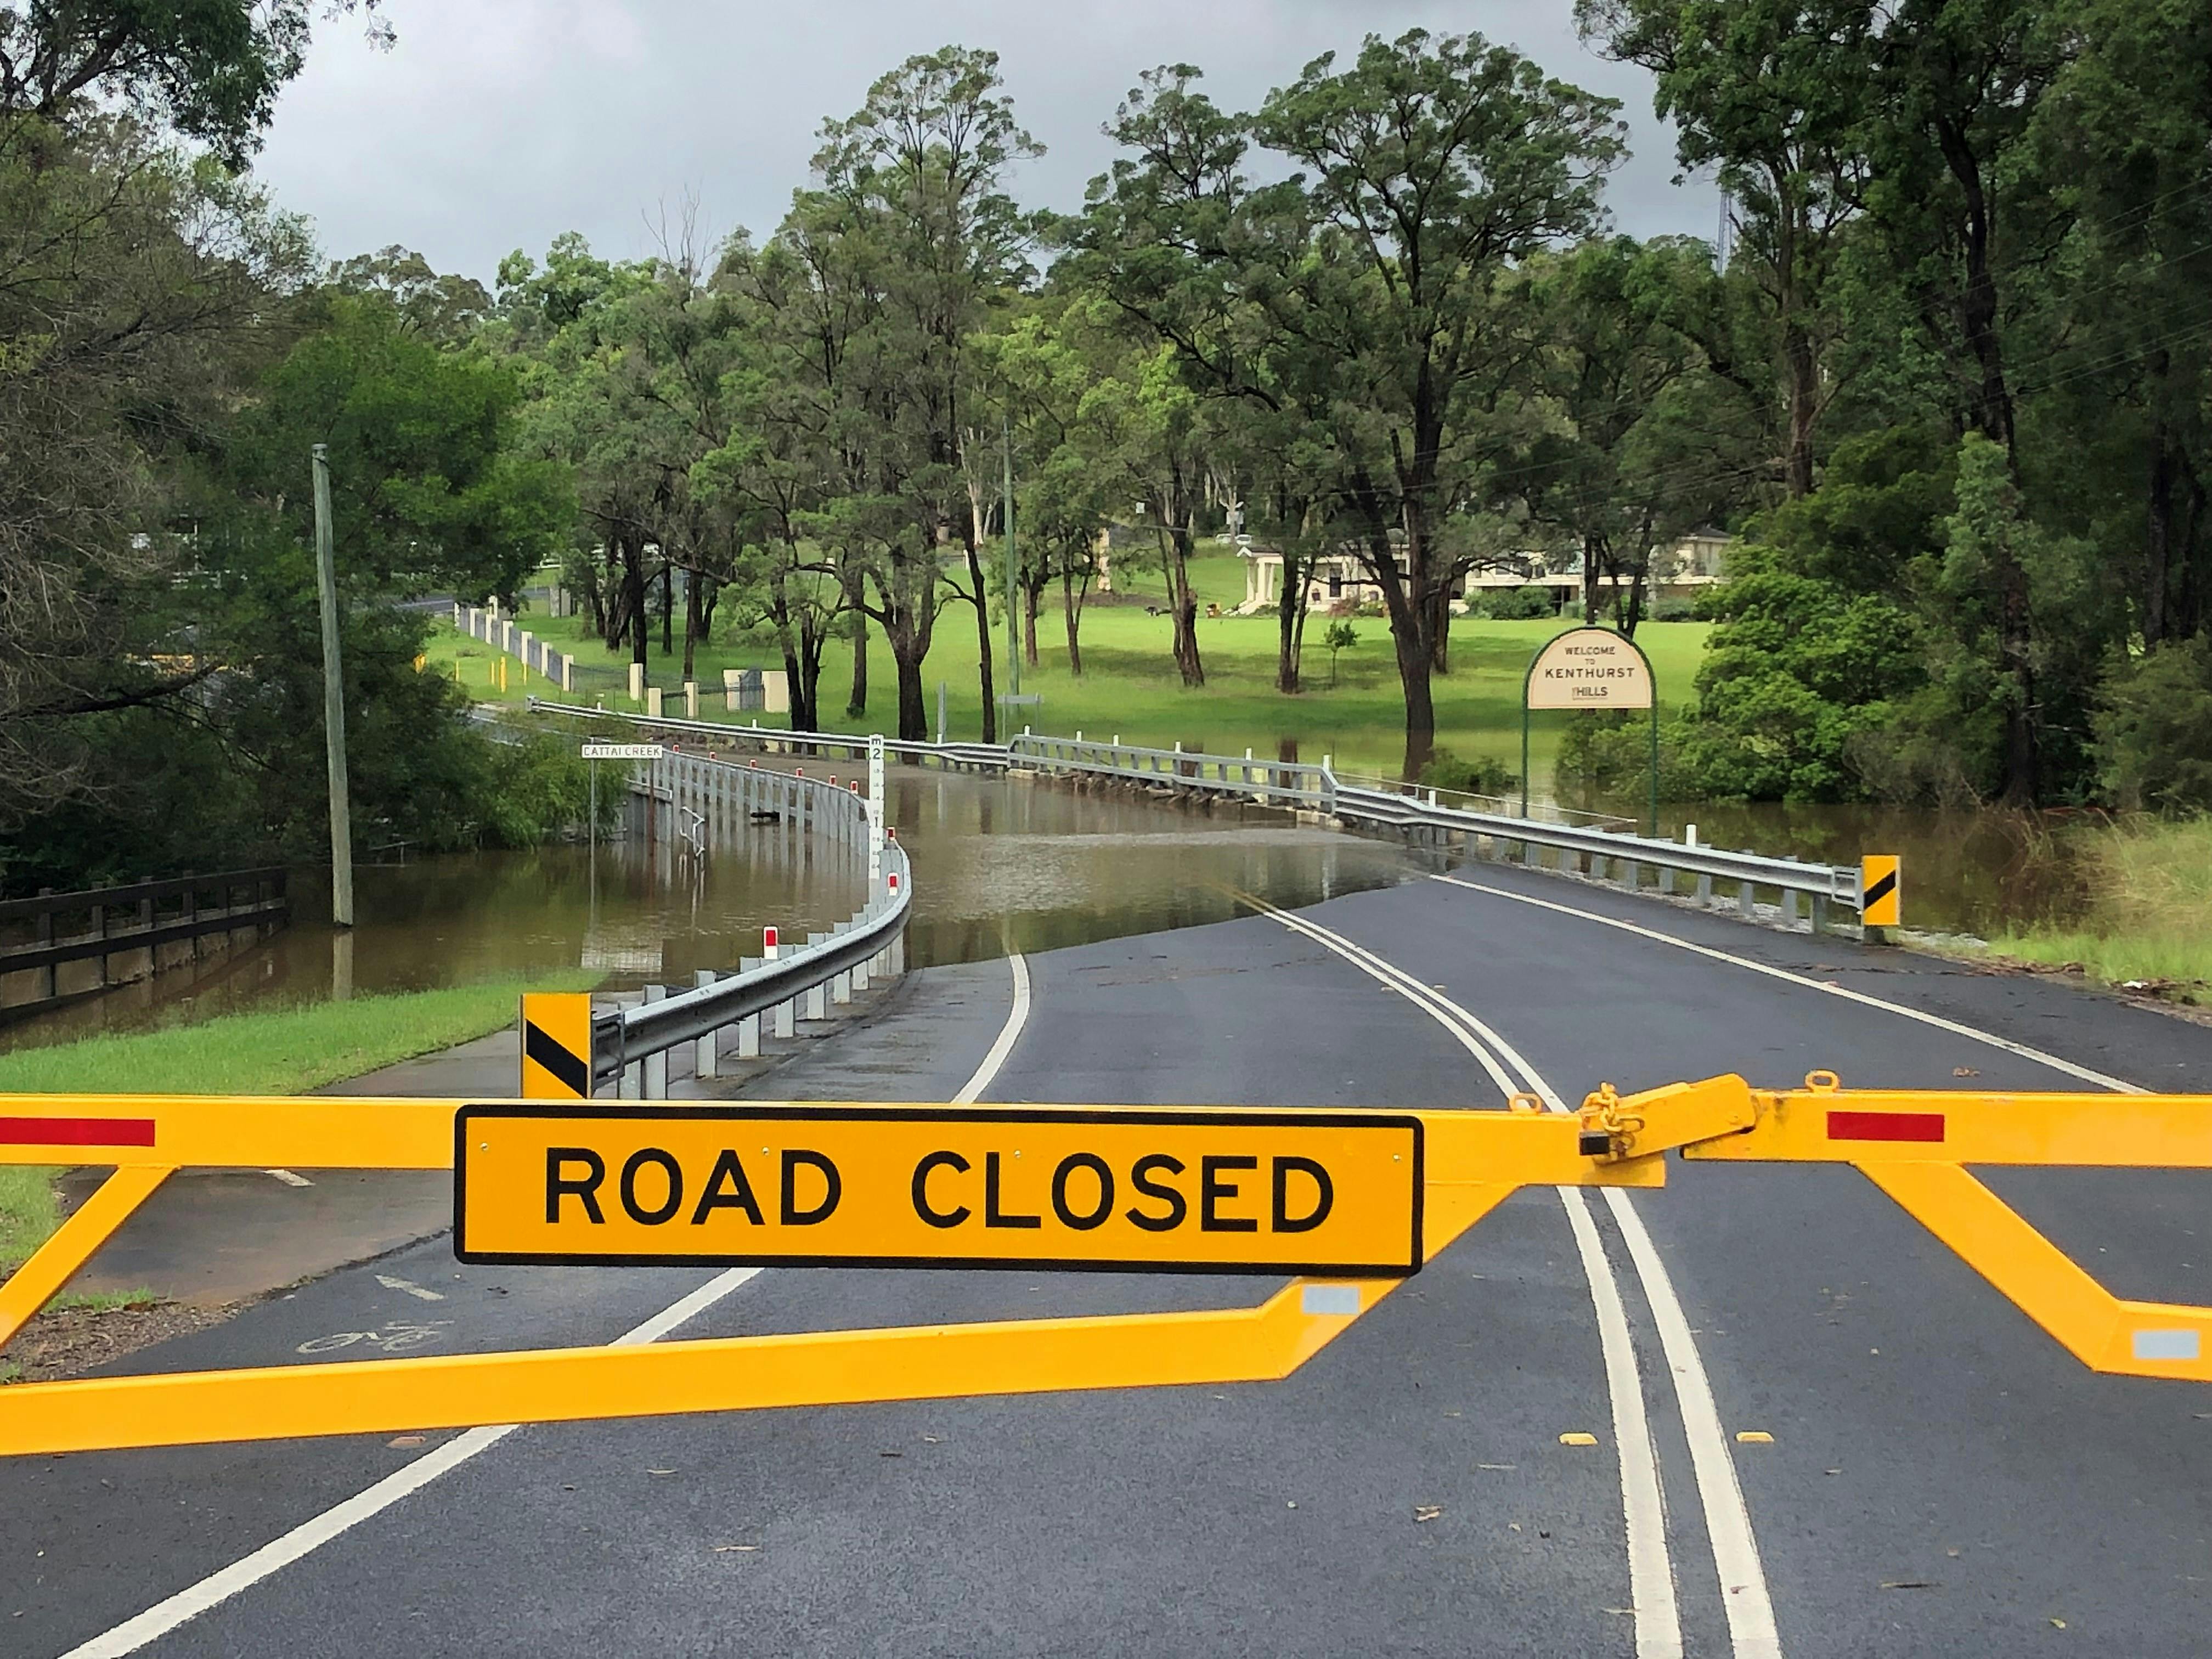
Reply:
x=1885 y=1125
x=77 y=1131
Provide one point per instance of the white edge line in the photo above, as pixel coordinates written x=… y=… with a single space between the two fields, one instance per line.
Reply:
x=158 y=1621
x=1643 y=1501
x=2087 y=1075
x=1009 y=1034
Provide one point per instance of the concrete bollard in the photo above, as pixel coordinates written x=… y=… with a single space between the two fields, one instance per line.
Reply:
x=690 y=700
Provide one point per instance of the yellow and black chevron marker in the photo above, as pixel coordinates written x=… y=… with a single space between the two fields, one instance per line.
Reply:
x=1880 y=903
x=556 y=1045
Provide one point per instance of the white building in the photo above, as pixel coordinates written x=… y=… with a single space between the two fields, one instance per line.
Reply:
x=1693 y=563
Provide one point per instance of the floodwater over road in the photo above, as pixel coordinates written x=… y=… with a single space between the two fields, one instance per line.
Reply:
x=1000 y=866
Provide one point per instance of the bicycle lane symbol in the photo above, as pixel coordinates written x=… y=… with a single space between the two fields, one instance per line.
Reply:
x=396 y=1336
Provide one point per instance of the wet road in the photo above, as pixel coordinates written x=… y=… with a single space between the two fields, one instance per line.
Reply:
x=1938 y=1477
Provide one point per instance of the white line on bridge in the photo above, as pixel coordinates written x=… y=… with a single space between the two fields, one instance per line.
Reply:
x=158 y=1621
x=987 y=1073
x=1651 y=1571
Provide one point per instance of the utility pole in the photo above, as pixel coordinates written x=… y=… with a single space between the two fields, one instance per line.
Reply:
x=327 y=579
x=1013 y=624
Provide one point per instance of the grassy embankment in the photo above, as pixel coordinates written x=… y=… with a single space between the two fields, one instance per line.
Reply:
x=1129 y=686
x=283 y=1051
x=2149 y=919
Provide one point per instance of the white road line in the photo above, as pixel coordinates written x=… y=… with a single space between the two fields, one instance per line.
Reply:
x=1644 y=1508
x=309 y=1536
x=392 y=1282
x=289 y=1178
x=2068 y=1066
x=1745 y=1598
x=1008 y=1035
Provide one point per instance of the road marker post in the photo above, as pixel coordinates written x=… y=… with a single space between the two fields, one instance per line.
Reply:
x=557 y=1045
x=1881 y=903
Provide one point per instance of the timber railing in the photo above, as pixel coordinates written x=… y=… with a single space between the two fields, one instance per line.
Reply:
x=39 y=937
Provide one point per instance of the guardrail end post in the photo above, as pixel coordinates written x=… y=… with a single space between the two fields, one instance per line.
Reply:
x=656 y=1066
x=708 y=1050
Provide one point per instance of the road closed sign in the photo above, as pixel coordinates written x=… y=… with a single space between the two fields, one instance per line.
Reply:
x=1589 y=668
x=1222 y=1191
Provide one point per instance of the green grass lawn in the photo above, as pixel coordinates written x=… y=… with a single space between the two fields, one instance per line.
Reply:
x=281 y=1051
x=1129 y=686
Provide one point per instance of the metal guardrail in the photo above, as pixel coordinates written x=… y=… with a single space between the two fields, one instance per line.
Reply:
x=1304 y=786
x=630 y=1046
x=1825 y=884
x=1467 y=801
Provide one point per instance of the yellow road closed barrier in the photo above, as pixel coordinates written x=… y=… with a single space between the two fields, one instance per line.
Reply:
x=1393 y=1172
x=1349 y=1202
x=1915 y=1146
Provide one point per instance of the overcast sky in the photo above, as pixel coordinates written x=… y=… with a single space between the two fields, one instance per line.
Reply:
x=494 y=124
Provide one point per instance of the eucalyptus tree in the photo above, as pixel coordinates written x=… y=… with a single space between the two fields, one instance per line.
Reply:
x=1639 y=440
x=2125 y=132
x=1433 y=166
x=1770 y=93
x=909 y=224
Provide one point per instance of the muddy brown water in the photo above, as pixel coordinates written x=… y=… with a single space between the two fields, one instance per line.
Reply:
x=1000 y=866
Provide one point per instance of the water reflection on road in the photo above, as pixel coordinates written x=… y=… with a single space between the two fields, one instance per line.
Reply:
x=1000 y=865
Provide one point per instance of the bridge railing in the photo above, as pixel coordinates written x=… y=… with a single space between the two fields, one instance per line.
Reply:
x=1810 y=890
x=631 y=1046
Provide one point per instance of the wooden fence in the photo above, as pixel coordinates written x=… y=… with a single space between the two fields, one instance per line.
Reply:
x=68 y=944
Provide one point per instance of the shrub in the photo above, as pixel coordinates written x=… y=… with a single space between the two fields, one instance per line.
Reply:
x=1608 y=753
x=2153 y=725
x=1483 y=776
x=1517 y=604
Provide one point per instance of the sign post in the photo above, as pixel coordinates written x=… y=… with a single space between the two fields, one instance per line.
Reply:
x=875 y=811
x=596 y=752
x=1591 y=668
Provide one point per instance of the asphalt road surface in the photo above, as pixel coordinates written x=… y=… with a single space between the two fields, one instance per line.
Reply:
x=1940 y=1479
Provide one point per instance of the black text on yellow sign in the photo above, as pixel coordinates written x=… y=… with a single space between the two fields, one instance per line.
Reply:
x=1221 y=1191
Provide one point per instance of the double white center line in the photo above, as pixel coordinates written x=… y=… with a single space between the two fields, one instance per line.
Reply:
x=1744 y=1597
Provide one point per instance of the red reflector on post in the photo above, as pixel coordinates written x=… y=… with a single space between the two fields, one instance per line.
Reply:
x=77 y=1131
x=1885 y=1125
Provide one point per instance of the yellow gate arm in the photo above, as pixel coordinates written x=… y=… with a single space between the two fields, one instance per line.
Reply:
x=1473 y=1161
x=1915 y=1146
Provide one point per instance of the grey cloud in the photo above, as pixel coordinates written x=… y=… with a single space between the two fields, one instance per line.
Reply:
x=499 y=123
